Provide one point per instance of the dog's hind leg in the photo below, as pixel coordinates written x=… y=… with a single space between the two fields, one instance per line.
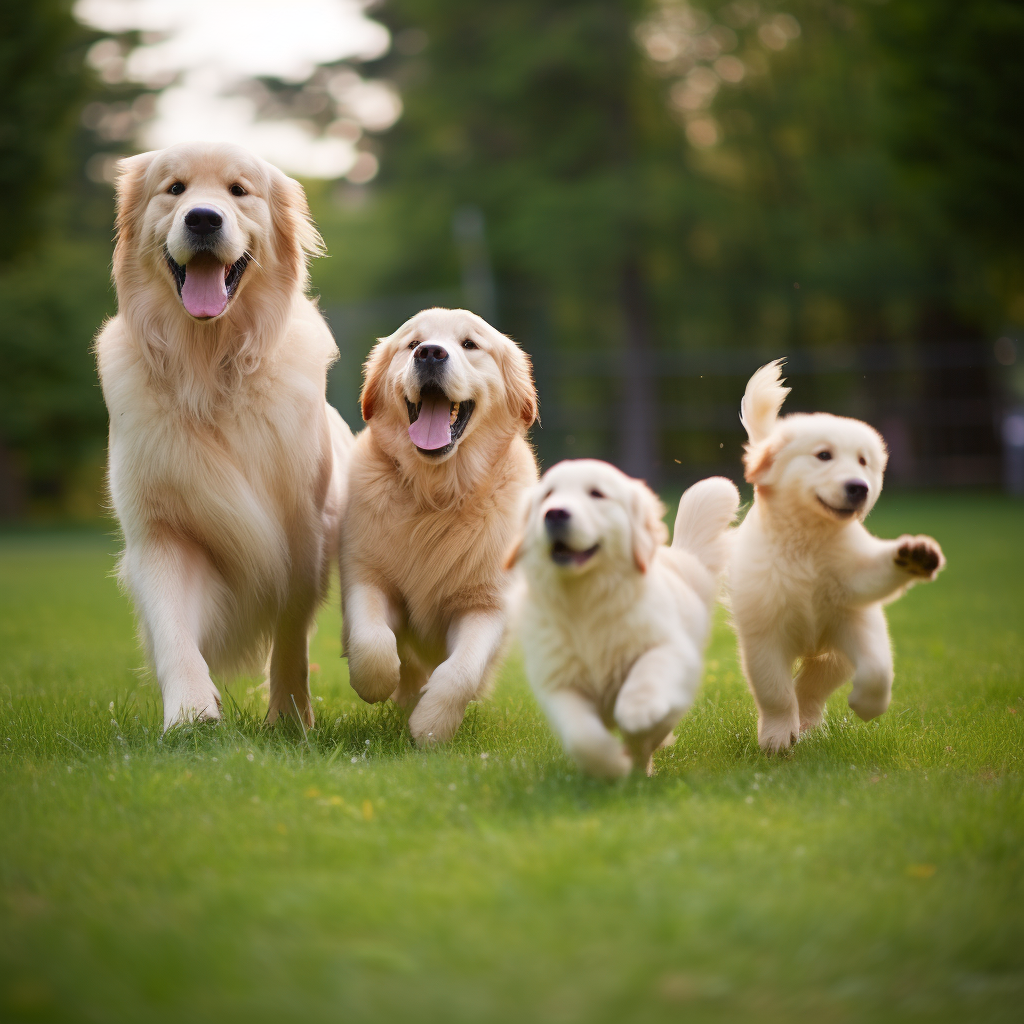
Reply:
x=818 y=677
x=175 y=591
x=412 y=677
x=289 y=658
x=865 y=641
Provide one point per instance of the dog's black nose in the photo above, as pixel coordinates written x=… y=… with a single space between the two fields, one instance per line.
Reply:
x=429 y=355
x=203 y=221
x=856 y=492
x=556 y=515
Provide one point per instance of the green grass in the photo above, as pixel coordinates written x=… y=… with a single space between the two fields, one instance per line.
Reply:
x=233 y=873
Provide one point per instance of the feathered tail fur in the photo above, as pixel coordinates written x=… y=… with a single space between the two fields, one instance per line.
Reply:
x=762 y=401
x=702 y=522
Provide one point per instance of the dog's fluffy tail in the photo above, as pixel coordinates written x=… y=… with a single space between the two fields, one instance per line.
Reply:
x=762 y=401
x=702 y=522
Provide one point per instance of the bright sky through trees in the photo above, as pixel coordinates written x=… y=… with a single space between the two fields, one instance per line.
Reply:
x=204 y=52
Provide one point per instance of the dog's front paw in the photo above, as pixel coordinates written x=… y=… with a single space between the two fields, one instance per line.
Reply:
x=868 y=704
x=374 y=667
x=436 y=718
x=919 y=556
x=777 y=734
x=199 y=703
x=641 y=709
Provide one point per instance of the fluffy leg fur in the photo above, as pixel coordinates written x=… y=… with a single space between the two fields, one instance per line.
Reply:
x=866 y=643
x=370 y=643
x=771 y=681
x=584 y=736
x=817 y=679
x=473 y=643
x=175 y=590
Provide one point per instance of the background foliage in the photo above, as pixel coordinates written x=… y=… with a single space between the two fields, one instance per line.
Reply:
x=624 y=185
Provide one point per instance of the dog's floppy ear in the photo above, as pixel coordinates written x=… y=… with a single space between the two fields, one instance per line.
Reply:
x=527 y=503
x=759 y=460
x=374 y=373
x=645 y=521
x=295 y=235
x=519 y=389
x=129 y=188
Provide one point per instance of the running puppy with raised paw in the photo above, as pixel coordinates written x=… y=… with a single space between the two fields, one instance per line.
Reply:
x=807 y=581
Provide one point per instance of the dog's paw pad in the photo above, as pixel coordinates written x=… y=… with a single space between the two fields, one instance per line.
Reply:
x=920 y=556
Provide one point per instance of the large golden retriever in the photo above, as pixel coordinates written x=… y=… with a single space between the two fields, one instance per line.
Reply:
x=227 y=468
x=435 y=483
x=807 y=580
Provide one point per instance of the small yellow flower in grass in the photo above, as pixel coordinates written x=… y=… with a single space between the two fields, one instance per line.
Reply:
x=921 y=870
x=336 y=801
x=312 y=792
x=282 y=829
x=367 y=811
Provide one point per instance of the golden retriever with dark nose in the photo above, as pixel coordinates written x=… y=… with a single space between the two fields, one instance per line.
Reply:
x=227 y=468
x=435 y=483
x=806 y=578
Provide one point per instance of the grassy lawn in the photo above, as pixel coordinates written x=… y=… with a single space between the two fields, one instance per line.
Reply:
x=876 y=873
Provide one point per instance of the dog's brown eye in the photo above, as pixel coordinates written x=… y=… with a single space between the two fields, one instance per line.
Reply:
x=469 y=344
x=824 y=456
x=412 y=344
x=177 y=188
x=237 y=190
x=863 y=461
x=595 y=493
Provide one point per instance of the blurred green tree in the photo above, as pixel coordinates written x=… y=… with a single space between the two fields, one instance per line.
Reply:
x=44 y=83
x=657 y=176
x=54 y=269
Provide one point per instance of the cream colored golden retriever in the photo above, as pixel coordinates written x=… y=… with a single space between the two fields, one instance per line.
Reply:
x=435 y=483
x=807 y=580
x=227 y=466
x=615 y=622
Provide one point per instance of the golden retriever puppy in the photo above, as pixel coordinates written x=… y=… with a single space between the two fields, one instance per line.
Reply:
x=614 y=622
x=227 y=468
x=435 y=483
x=807 y=580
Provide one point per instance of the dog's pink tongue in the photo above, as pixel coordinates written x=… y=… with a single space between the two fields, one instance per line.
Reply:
x=204 y=294
x=431 y=430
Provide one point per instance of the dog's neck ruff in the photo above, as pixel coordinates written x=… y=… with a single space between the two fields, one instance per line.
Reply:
x=201 y=365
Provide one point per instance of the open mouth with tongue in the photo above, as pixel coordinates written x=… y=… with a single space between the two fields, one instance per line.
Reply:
x=562 y=554
x=205 y=286
x=437 y=423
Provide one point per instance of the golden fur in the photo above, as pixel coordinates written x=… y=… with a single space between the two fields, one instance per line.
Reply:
x=614 y=622
x=807 y=580
x=226 y=465
x=424 y=592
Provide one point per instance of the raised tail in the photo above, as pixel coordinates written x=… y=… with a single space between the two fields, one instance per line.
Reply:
x=762 y=401
x=705 y=512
